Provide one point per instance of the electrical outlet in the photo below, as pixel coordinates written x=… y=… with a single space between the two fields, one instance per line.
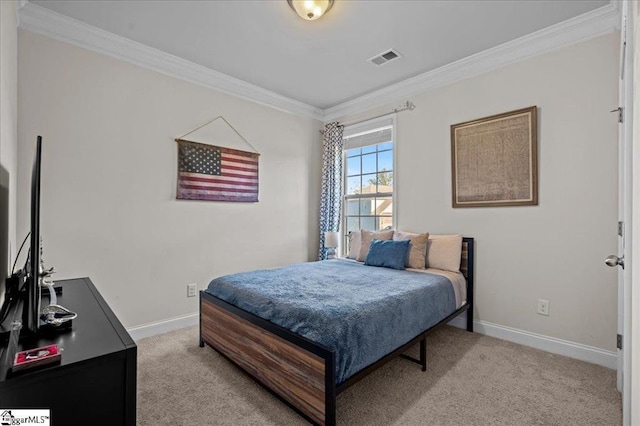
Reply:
x=191 y=290
x=543 y=307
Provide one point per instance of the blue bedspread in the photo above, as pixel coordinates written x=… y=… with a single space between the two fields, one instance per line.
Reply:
x=361 y=312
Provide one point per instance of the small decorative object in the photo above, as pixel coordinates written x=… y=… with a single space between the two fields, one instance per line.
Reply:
x=310 y=10
x=494 y=160
x=330 y=243
x=213 y=173
x=36 y=357
x=56 y=315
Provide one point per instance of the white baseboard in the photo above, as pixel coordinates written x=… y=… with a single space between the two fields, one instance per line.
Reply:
x=549 y=344
x=151 y=329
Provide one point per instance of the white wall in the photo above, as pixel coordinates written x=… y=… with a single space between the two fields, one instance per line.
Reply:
x=109 y=175
x=8 y=135
x=552 y=251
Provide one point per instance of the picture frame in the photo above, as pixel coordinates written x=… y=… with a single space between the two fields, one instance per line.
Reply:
x=494 y=160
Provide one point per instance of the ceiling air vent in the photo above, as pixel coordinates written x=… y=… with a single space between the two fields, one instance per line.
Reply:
x=384 y=57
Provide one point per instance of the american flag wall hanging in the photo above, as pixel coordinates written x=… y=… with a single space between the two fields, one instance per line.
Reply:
x=213 y=173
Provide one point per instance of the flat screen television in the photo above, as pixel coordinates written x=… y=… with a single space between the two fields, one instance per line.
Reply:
x=26 y=284
x=31 y=307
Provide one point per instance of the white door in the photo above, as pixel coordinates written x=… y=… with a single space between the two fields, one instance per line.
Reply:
x=632 y=374
x=623 y=259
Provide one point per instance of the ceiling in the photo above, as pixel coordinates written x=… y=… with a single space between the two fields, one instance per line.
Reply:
x=321 y=63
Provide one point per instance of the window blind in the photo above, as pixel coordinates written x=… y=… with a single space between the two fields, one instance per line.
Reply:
x=369 y=133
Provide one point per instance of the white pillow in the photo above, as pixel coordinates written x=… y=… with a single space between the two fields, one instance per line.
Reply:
x=417 y=257
x=444 y=251
x=365 y=241
x=354 y=245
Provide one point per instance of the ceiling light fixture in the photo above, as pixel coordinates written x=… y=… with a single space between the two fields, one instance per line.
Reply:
x=310 y=10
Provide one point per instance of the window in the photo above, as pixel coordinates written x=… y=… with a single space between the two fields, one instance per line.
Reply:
x=368 y=177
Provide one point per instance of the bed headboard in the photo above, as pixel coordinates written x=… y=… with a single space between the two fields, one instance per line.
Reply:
x=466 y=260
x=466 y=267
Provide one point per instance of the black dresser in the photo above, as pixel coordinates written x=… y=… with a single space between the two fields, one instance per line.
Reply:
x=95 y=381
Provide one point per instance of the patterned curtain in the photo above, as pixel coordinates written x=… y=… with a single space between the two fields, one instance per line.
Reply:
x=331 y=197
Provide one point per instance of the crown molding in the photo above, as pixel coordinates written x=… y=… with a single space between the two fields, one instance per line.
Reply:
x=46 y=22
x=60 y=27
x=592 y=24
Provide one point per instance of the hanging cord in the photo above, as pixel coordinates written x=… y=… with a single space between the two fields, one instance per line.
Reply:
x=13 y=269
x=228 y=124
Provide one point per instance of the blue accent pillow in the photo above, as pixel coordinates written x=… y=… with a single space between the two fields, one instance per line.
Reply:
x=388 y=253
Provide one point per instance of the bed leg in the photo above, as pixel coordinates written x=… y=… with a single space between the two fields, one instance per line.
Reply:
x=330 y=414
x=423 y=352
x=201 y=342
x=330 y=393
x=470 y=320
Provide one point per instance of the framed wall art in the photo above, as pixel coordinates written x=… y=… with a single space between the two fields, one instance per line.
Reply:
x=209 y=172
x=494 y=160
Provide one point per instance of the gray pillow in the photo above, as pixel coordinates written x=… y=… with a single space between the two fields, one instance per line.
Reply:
x=365 y=241
x=417 y=258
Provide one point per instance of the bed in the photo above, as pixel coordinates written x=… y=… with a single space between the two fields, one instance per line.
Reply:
x=307 y=346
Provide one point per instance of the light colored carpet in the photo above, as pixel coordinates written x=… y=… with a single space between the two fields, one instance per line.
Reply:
x=471 y=379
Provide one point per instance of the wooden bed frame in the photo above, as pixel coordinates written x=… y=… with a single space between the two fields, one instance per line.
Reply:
x=298 y=371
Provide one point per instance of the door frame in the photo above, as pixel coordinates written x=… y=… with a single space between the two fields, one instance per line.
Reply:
x=631 y=374
x=629 y=163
